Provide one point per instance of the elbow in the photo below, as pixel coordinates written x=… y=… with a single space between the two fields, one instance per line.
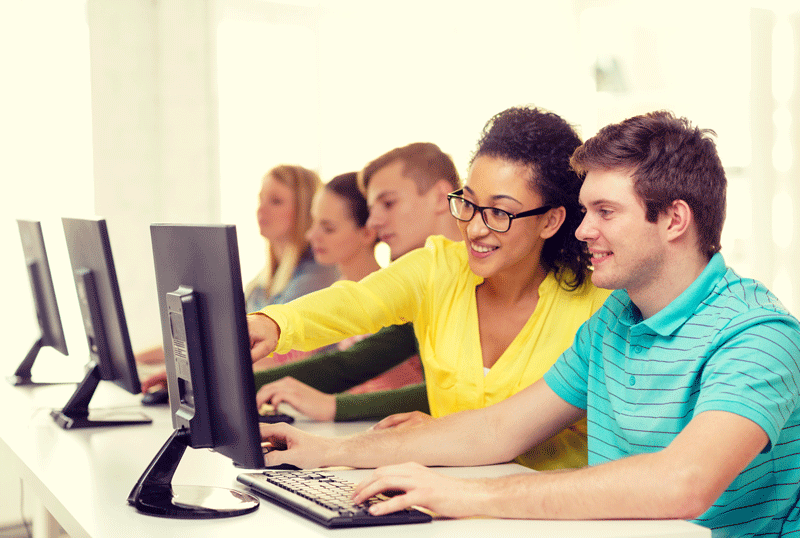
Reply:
x=692 y=493
x=690 y=506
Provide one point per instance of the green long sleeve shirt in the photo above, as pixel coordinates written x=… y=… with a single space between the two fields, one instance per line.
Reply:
x=335 y=372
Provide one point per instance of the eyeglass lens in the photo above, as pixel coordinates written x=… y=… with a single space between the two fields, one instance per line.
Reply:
x=496 y=219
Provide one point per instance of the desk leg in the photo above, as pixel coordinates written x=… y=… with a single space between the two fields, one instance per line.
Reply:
x=44 y=524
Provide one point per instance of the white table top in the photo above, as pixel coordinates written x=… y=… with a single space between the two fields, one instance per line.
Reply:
x=83 y=478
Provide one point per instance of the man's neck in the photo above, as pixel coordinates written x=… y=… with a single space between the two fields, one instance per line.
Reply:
x=676 y=276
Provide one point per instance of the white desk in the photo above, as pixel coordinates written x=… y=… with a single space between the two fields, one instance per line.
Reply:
x=83 y=478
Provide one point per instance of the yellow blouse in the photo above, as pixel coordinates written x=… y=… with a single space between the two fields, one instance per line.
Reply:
x=434 y=288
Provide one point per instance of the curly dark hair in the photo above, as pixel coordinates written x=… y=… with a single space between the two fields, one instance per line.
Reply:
x=543 y=142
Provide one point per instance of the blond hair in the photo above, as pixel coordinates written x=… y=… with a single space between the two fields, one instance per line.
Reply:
x=304 y=183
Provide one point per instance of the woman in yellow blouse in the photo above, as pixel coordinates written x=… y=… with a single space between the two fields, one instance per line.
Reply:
x=492 y=313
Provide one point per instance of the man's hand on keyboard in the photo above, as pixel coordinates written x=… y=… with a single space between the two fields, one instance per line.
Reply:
x=285 y=444
x=418 y=487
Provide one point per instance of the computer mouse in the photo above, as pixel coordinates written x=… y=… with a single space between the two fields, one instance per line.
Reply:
x=156 y=397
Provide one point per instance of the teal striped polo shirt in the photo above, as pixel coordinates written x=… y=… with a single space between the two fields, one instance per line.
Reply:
x=725 y=344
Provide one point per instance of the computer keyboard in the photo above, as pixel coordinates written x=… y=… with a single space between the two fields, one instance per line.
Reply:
x=324 y=498
x=269 y=414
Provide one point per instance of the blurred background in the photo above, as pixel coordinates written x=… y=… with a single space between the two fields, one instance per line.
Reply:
x=172 y=111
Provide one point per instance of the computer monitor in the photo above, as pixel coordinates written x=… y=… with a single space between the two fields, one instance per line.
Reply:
x=110 y=353
x=44 y=301
x=209 y=370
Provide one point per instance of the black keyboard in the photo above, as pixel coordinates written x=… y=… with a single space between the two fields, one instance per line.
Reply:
x=324 y=498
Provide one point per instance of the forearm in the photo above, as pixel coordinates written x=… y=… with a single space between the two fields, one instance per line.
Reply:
x=338 y=371
x=315 y=371
x=386 y=297
x=350 y=309
x=369 y=357
x=455 y=440
x=484 y=436
x=381 y=404
x=681 y=481
x=639 y=487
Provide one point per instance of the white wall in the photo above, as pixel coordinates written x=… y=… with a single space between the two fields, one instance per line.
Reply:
x=46 y=150
x=332 y=85
x=154 y=119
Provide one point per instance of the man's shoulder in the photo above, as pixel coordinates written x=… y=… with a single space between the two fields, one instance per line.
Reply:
x=741 y=309
x=737 y=297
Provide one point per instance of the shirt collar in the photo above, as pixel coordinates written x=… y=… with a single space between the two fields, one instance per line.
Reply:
x=670 y=318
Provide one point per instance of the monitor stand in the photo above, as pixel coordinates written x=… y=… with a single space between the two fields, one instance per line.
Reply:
x=155 y=495
x=22 y=376
x=76 y=413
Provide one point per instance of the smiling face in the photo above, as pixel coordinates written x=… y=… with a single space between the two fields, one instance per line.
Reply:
x=501 y=184
x=401 y=216
x=276 y=210
x=627 y=251
x=334 y=236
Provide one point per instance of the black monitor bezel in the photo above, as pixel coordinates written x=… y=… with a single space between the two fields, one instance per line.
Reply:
x=48 y=315
x=45 y=303
x=210 y=260
x=89 y=248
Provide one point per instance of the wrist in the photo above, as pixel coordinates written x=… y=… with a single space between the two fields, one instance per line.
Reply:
x=267 y=322
x=500 y=497
x=334 y=453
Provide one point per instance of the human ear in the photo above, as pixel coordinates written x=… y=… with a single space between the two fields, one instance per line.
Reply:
x=555 y=218
x=440 y=190
x=679 y=216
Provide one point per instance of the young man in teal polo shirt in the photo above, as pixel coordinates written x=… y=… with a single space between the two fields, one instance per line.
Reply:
x=689 y=375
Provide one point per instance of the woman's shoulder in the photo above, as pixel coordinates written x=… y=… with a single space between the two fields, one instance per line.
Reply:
x=448 y=256
x=438 y=262
x=441 y=242
x=308 y=276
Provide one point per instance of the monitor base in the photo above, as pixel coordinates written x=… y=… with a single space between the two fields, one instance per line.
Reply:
x=96 y=419
x=194 y=502
x=22 y=381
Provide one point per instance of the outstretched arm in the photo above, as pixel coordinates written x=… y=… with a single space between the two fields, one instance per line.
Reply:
x=337 y=371
x=484 y=436
x=681 y=481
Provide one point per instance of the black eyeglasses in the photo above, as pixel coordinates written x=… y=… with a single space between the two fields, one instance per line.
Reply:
x=494 y=218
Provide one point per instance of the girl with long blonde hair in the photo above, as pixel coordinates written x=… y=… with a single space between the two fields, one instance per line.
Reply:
x=284 y=218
